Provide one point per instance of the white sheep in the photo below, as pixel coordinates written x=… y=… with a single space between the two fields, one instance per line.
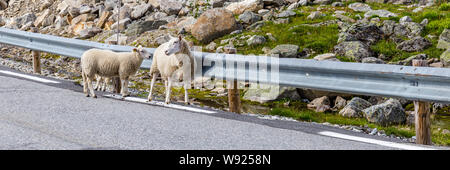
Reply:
x=173 y=60
x=107 y=63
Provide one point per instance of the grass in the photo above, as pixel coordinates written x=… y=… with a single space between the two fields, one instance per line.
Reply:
x=398 y=130
x=389 y=49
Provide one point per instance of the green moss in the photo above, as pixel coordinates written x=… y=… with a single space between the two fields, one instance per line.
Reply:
x=389 y=49
x=444 y=7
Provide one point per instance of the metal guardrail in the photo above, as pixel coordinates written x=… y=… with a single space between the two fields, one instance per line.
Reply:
x=414 y=83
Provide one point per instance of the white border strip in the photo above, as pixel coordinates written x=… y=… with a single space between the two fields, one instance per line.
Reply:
x=173 y=106
x=28 y=77
x=374 y=141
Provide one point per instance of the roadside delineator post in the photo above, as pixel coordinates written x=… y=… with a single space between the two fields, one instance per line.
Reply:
x=36 y=57
x=234 y=100
x=422 y=117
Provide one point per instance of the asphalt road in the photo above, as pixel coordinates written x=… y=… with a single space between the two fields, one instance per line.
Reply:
x=36 y=115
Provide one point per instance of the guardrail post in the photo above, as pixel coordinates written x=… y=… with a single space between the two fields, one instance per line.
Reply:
x=422 y=117
x=234 y=99
x=36 y=57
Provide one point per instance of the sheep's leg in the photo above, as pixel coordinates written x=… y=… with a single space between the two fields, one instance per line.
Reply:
x=105 y=83
x=169 y=86
x=125 y=87
x=151 y=87
x=186 y=97
x=85 y=85
x=99 y=81
x=89 y=81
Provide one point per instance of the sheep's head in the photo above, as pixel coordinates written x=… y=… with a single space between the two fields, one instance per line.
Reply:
x=142 y=52
x=175 y=46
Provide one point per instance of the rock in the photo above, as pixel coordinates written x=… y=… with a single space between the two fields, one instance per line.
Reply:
x=123 y=39
x=271 y=37
x=211 y=46
x=320 y=104
x=140 y=10
x=60 y=22
x=339 y=103
x=285 y=51
x=314 y=15
x=246 y=5
x=360 y=7
x=326 y=56
x=387 y=113
x=3 y=4
x=139 y=27
x=74 y=12
x=171 y=7
x=82 y=18
x=275 y=3
x=249 y=18
x=424 y=22
x=287 y=13
x=344 y=18
x=162 y=39
x=408 y=61
x=122 y=24
x=445 y=58
x=413 y=45
x=366 y=33
x=405 y=19
x=112 y=4
x=26 y=18
x=337 y=4
x=444 y=40
x=322 y=2
x=354 y=108
x=410 y=118
x=89 y=32
x=217 y=3
x=84 y=9
x=103 y=18
x=266 y=93
x=256 y=40
x=214 y=23
x=155 y=3
x=381 y=13
x=372 y=60
x=355 y=50
x=39 y=20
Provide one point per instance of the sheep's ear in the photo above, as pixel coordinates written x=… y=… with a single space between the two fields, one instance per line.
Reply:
x=135 y=50
x=180 y=37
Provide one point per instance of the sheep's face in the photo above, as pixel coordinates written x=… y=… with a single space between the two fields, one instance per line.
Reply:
x=142 y=52
x=175 y=46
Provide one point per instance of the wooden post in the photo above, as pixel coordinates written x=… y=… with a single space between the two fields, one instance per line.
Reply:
x=234 y=99
x=422 y=117
x=36 y=57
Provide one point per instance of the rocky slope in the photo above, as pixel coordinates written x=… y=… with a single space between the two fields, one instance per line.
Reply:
x=368 y=31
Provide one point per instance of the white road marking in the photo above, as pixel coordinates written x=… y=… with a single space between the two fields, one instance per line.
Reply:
x=374 y=141
x=174 y=106
x=28 y=77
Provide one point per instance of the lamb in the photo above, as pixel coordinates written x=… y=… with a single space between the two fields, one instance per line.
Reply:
x=173 y=60
x=102 y=83
x=106 y=63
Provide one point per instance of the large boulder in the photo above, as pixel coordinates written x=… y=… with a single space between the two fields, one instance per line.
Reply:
x=444 y=40
x=247 y=5
x=359 y=7
x=366 y=33
x=354 y=108
x=285 y=51
x=3 y=4
x=171 y=7
x=89 y=32
x=445 y=58
x=39 y=20
x=355 y=50
x=256 y=40
x=138 y=27
x=387 y=113
x=213 y=24
x=381 y=13
x=140 y=10
x=413 y=45
x=266 y=93
x=249 y=17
